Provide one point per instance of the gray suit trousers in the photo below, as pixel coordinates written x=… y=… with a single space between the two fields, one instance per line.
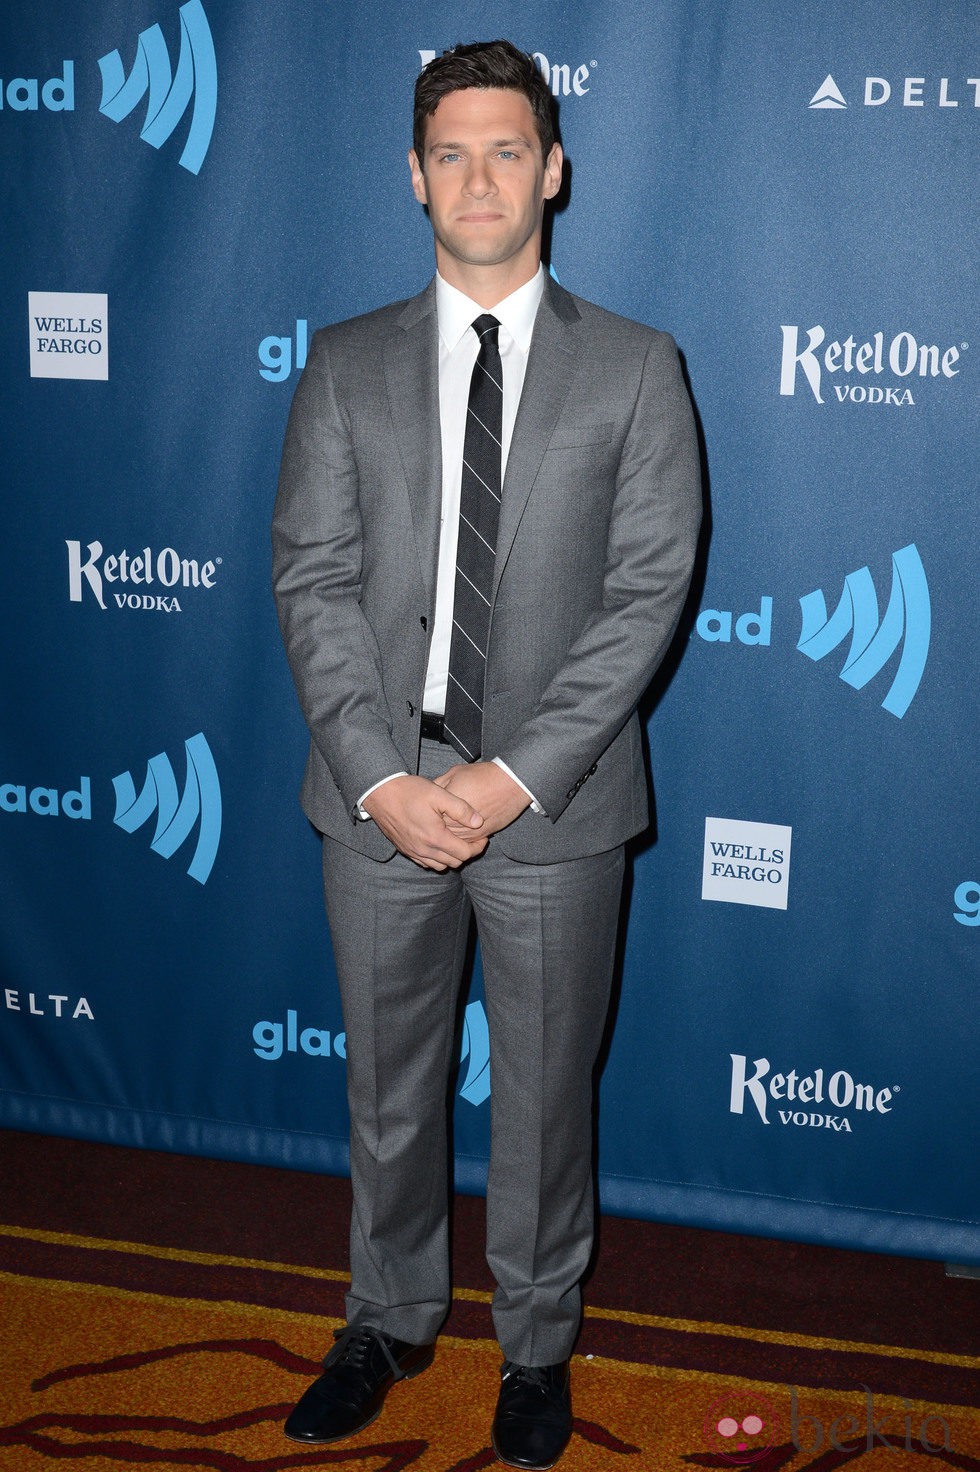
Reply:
x=547 y=937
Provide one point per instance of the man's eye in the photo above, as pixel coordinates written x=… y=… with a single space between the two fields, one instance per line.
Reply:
x=448 y=158
x=508 y=153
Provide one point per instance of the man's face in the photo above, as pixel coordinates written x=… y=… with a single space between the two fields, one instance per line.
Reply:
x=484 y=182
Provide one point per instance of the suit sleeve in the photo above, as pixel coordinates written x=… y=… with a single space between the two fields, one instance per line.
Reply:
x=317 y=561
x=652 y=538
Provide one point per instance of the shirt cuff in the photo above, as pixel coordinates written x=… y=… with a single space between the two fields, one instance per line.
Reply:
x=535 y=805
x=364 y=817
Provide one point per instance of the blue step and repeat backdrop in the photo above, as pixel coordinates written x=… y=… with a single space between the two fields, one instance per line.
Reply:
x=188 y=191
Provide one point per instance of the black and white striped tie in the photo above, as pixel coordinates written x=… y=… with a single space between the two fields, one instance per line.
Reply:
x=479 y=514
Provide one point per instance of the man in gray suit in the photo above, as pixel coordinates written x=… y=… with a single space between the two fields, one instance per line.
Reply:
x=483 y=540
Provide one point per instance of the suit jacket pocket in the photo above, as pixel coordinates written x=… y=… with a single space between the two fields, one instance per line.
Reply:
x=580 y=436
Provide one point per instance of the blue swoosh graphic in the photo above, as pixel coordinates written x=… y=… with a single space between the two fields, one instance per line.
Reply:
x=907 y=621
x=476 y=1048
x=170 y=94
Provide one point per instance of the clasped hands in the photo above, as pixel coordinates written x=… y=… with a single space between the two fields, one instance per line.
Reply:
x=441 y=824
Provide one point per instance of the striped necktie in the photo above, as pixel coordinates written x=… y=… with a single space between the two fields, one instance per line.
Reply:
x=479 y=514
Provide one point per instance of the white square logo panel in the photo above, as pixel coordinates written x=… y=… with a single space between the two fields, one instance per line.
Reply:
x=746 y=863
x=69 y=334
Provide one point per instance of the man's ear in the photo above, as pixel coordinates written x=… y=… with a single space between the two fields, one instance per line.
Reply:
x=552 y=171
x=418 y=178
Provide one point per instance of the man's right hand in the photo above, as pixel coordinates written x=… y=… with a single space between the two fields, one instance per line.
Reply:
x=413 y=813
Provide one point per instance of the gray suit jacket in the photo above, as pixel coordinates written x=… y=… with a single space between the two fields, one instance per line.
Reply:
x=598 y=524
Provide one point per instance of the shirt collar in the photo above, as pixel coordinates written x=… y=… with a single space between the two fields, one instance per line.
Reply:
x=456 y=312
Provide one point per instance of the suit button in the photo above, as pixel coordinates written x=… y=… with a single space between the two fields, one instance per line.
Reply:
x=424 y=621
x=593 y=769
x=411 y=707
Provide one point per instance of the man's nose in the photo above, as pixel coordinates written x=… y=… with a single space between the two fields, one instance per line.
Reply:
x=479 y=180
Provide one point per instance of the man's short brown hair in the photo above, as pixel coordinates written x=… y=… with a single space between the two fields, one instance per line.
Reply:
x=482 y=64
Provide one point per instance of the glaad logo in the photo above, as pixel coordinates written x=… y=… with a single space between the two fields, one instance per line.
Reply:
x=563 y=79
x=48 y=802
x=475 y=1053
x=139 y=570
x=967 y=899
x=314 y=1041
x=176 y=813
x=277 y=356
x=907 y=621
x=170 y=93
x=24 y=94
x=68 y=334
x=841 y=1091
x=271 y=1040
x=905 y=357
x=878 y=91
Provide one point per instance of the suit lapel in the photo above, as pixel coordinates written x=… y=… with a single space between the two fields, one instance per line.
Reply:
x=411 y=365
x=550 y=369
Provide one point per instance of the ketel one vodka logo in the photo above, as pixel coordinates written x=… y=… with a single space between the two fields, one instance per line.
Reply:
x=860 y=370
x=193 y=85
x=143 y=580
x=176 y=812
x=806 y=1099
x=565 y=79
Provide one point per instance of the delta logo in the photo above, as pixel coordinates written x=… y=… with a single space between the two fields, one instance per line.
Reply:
x=178 y=813
x=171 y=92
x=911 y=92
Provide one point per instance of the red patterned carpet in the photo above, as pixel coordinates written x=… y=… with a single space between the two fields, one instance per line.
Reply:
x=160 y=1311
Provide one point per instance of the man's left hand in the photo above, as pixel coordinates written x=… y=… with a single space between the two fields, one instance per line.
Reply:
x=488 y=789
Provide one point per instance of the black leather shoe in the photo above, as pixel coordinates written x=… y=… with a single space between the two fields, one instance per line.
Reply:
x=357 y=1375
x=533 y=1421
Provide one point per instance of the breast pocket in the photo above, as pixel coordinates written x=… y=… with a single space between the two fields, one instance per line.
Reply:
x=580 y=436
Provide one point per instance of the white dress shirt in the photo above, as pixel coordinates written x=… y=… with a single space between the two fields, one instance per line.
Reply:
x=458 y=348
